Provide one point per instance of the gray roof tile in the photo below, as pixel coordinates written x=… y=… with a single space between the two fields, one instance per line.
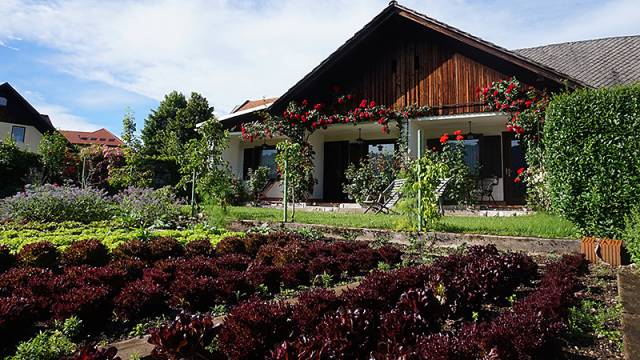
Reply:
x=600 y=62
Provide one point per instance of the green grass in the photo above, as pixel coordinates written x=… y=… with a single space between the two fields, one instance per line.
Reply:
x=537 y=225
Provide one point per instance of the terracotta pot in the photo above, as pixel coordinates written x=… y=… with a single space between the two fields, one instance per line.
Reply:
x=607 y=250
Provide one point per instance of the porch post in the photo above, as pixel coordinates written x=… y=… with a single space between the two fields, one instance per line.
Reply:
x=420 y=219
x=286 y=185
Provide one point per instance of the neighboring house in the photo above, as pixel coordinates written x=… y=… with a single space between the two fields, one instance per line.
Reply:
x=101 y=137
x=404 y=58
x=20 y=121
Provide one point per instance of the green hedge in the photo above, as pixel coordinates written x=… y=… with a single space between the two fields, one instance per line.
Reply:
x=15 y=165
x=592 y=157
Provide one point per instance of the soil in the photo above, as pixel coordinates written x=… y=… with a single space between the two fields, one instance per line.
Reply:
x=600 y=285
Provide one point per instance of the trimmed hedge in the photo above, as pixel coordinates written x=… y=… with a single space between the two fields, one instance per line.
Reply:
x=592 y=157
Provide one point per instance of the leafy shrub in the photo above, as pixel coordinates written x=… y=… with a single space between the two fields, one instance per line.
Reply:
x=140 y=298
x=199 y=248
x=15 y=165
x=369 y=178
x=94 y=352
x=258 y=180
x=188 y=337
x=86 y=252
x=41 y=254
x=132 y=249
x=7 y=259
x=253 y=327
x=88 y=302
x=17 y=317
x=231 y=245
x=145 y=207
x=164 y=247
x=111 y=233
x=592 y=140
x=631 y=235
x=48 y=345
x=53 y=203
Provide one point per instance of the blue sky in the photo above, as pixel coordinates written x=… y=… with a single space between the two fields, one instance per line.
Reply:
x=84 y=62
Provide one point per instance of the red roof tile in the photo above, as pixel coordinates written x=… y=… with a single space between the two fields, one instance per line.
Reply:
x=98 y=137
x=250 y=104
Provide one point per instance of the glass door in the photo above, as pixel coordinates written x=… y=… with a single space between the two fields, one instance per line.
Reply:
x=513 y=159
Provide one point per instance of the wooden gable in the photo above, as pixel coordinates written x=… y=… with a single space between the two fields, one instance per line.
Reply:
x=404 y=58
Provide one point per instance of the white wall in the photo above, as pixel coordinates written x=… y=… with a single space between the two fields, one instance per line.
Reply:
x=432 y=127
x=32 y=136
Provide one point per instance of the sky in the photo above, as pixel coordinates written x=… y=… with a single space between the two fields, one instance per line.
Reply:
x=85 y=62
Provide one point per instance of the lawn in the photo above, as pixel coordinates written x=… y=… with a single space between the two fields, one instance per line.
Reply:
x=537 y=225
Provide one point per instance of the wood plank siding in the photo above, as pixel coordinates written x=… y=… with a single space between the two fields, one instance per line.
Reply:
x=425 y=73
x=400 y=60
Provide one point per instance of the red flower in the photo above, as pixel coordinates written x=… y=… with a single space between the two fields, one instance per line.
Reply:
x=363 y=103
x=317 y=107
x=520 y=171
x=496 y=93
x=457 y=132
x=444 y=138
x=372 y=104
x=459 y=137
x=528 y=103
x=340 y=100
x=511 y=86
x=485 y=91
x=517 y=180
x=349 y=96
x=305 y=103
x=510 y=128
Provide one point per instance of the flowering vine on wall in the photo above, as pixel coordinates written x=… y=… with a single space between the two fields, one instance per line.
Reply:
x=525 y=106
x=300 y=119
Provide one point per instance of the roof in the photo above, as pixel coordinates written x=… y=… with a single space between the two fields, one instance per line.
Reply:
x=250 y=104
x=599 y=62
x=98 y=137
x=394 y=10
x=27 y=115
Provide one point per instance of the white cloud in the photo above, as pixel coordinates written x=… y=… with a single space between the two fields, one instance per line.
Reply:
x=61 y=117
x=233 y=50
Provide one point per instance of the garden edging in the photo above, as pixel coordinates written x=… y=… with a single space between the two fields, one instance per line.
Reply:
x=629 y=290
x=531 y=245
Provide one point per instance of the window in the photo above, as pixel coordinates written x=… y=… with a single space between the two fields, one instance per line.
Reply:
x=471 y=154
x=384 y=150
x=260 y=156
x=268 y=159
x=17 y=133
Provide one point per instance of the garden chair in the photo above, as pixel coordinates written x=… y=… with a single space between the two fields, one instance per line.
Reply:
x=486 y=189
x=387 y=199
x=440 y=189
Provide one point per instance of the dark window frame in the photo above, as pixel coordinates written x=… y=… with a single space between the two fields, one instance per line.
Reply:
x=24 y=133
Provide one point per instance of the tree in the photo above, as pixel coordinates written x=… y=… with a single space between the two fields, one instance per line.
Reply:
x=154 y=131
x=172 y=125
x=53 y=149
x=203 y=158
x=182 y=128
x=129 y=129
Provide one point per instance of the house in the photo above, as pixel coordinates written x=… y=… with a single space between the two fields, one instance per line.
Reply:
x=403 y=58
x=20 y=121
x=102 y=137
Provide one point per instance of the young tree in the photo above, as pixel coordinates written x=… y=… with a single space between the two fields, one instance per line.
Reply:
x=203 y=158
x=129 y=129
x=53 y=149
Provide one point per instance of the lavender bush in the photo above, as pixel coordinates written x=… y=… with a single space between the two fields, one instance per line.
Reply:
x=146 y=207
x=54 y=203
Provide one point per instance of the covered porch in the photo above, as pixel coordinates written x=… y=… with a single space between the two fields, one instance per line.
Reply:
x=490 y=151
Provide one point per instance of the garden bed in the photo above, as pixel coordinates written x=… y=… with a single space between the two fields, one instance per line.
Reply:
x=114 y=292
x=481 y=304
